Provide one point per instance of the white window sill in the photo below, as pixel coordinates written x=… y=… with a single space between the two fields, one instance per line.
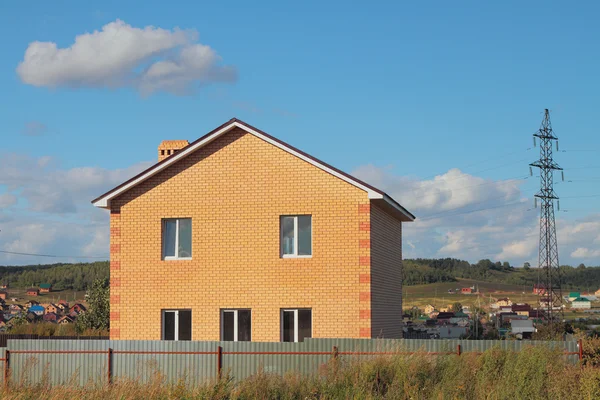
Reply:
x=293 y=256
x=176 y=258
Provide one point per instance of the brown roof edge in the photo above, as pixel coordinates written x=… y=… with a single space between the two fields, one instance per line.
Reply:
x=232 y=120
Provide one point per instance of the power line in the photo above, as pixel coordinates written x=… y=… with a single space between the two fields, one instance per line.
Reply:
x=50 y=255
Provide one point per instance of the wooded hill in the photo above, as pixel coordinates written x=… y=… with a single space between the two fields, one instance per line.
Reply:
x=421 y=271
x=61 y=276
x=416 y=272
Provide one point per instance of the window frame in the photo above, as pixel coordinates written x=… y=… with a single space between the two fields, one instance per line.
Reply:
x=176 y=333
x=235 y=322
x=296 y=325
x=295 y=255
x=163 y=244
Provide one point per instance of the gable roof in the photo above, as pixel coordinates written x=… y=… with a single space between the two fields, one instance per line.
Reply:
x=45 y=285
x=373 y=193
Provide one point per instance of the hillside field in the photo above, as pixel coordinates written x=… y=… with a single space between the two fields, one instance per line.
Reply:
x=437 y=295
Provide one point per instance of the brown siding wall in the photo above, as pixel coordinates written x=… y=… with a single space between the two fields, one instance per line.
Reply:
x=234 y=190
x=386 y=274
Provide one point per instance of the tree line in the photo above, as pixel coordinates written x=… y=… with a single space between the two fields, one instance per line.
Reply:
x=424 y=270
x=78 y=276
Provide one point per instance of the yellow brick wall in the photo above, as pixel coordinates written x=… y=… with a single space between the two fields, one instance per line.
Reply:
x=386 y=274
x=235 y=189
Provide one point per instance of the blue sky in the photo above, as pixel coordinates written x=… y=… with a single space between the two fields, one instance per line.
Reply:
x=436 y=104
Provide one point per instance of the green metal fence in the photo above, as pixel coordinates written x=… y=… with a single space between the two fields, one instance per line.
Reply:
x=105 y=361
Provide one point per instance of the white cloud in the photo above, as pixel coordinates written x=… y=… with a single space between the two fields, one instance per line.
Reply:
x=49 y=189
x=584 y=252
x=54 y=214
x=468 y=217
x=34 y=128
x=149 y=59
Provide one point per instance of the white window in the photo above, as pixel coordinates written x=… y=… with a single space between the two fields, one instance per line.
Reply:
x=296 y=324
x=296 y=236
x=236 y=325
x=177 y=325
x=177 y=238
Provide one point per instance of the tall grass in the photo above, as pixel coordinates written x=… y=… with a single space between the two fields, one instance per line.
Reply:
x=532 y=373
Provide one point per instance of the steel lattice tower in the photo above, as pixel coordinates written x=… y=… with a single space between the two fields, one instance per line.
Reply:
x=548 y=251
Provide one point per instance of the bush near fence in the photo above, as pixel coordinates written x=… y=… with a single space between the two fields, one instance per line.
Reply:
x=57 y=362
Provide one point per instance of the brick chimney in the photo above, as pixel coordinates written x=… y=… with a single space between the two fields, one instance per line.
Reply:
x=168 y=147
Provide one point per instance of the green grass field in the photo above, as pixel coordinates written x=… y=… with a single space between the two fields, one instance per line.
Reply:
x=437 y=295
x=71 y=296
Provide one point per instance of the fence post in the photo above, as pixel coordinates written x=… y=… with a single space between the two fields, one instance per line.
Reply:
x=219 y=361
x=580 y=349
x=334 y=352
x=6 y=368
x=110 y=367
x=458 y=349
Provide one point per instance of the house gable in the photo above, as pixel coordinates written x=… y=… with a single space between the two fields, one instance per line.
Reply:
x=373 y=193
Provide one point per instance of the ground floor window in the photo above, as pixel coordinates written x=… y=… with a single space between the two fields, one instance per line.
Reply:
x=236 y=325
x=296 y=324
x=177 y=325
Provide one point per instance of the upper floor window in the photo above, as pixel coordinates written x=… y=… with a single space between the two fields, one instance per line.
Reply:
x=177 y=238
x=296 y=235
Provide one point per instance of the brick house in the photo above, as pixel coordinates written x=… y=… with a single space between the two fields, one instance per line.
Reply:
x=77 y=308
x=277 y=245
x=50 y=317
x=52 y=308
x=65 y=319
x=32 y=292
x=466 y=290
x=45 y=288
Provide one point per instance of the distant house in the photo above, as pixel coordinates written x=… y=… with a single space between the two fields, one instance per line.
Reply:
x=31 y=303
x=14 y=299
x=459 y=318
x=450 y=291
x=522 y=328
x=51 y=317
x=32 y=317
x=536 y=315
x=4 y=286
x=581 y=303
x=45 y=287
x=63 y=305
x=429 y=309
x=545 y=301
x=539 y=289
x=15 y=307
x=466 y=290
x=574 y=295
x=521 y=309
x=444 y=317
x=65 y=320
x=52 y=308
x=453 y=332
x=504 y=302
x=37 y=310
x=597 y=293
x=77 y=308
x=3 y=294
x=33 y=292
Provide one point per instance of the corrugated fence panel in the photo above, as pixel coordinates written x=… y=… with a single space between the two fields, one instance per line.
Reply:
x=147 y=360
x=76 y=361
x=83 y=361
x=242 y=366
